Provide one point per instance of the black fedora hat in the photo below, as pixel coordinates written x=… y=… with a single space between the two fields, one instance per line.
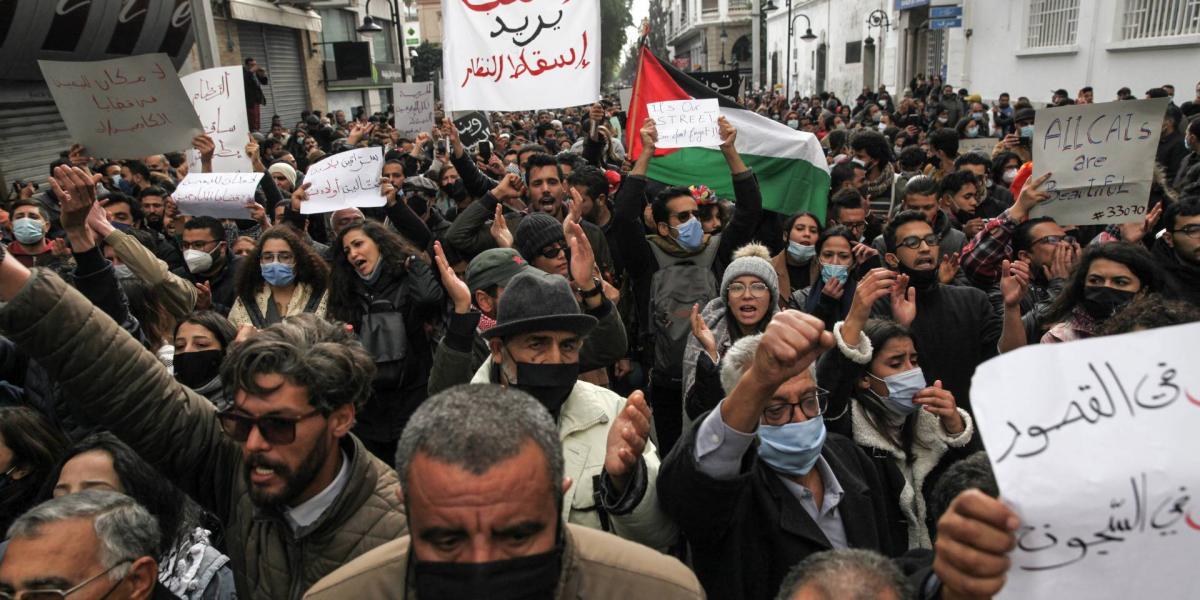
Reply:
x=535 y=300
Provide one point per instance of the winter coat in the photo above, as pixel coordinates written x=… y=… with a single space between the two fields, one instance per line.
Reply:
x=583 y=425
x=594 y=565
x=254 y=310
x=122 y=387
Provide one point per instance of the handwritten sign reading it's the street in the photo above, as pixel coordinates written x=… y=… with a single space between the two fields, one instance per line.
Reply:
x=344 y=180
x=1101 y=157
x=1094 y=445
x=510 y=55
x=220 y=195
x=219 y=97
x=686 y=123
x=412 y=104
x=125 y=107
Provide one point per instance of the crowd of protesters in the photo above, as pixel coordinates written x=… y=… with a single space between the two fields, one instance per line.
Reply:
x=534 y=372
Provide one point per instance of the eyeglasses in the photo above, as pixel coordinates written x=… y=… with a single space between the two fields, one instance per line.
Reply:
x=552 y=251
x=914 y=241
x=1192 y=231
x=756 y=289
x=812 y=405
x=1054 y=240
x=60 y=594
x=685 y=215
x=276 y=430
x=283 y=257
x=197 y=245
x=855 y=226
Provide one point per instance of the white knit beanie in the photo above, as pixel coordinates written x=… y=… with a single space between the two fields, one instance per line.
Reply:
x=752 y=259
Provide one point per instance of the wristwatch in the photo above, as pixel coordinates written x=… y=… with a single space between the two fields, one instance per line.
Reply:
x=597 y=289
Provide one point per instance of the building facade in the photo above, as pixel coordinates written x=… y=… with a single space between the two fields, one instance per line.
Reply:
x=341 y=20
x=709 y=35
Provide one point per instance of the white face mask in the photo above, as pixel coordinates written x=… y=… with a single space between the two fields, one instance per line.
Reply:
x=1010 y=175
x=197 y=261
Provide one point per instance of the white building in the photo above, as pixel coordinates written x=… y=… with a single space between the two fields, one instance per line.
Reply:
x=1023 y=47
x=709 y=35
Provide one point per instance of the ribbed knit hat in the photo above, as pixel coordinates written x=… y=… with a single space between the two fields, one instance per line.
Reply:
x=536 y=231
x=752 y=259
x=285 y=169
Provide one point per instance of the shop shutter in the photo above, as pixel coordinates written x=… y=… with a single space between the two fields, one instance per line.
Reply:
x=34 y=135
x=277 y=50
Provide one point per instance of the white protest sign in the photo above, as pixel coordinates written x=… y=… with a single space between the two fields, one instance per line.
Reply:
x=982 y=146
x=219 y=97
x=1094 y=445
x=344 y=180
x=125 y=107
x=220 y=195
x=1101 y=157
x=686 y=123
x=625 y=95
x=412 y=104
x=509 y=55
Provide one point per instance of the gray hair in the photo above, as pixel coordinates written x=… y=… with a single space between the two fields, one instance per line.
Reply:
x=847 y=574
x=476 y=426
x=320 y=356
x=738 y=358
x=126 y=530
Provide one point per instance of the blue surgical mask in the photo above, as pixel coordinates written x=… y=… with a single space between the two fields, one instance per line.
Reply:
x=1027 y=131
x=801 y=253
x=277 y=274
x=978 y=116
x=838 y=272
x=28 y=231
x=794 y=124
x=972 y=132
x=691 y=234
x=792 y=449
x=902 y=388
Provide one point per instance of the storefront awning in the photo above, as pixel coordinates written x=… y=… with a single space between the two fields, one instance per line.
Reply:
x=267 y=13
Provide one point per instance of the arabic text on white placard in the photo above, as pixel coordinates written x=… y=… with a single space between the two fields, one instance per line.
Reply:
x=686 y=123
x=344 y=180
x=1094 y=445
x=412 y=104
x=219 y=97
x=124 y=107
x=1101 y=157
x=520 y=55
x=220 y=195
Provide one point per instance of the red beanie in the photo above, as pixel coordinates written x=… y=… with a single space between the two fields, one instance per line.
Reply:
x=1019 y=181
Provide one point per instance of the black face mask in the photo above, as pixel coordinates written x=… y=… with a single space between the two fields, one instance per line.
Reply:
x=456 y=190
x=1102 y=302
x=526 y=578
x=194 y=369
x=922 y=280
x=417 y=202
x=551 y=384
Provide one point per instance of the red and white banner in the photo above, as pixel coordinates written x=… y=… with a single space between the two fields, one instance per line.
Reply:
x=520 y=54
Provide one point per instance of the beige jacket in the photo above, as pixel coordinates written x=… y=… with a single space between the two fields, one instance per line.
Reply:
x=596 y=565
x=583 y=428
x=176 y=294
x=238 y=315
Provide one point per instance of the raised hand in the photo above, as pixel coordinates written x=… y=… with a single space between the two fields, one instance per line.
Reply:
x=627 y=440
x=299 y=196
x=583 y=260
x=359 y=132
x=509 y=188
x=940 y=402
x=862 y=253
x=203 y=296
x=205 y=145
x=1062 y=263
x=948 y=269
x=727 y=132
x=97 y=221
x=456 y=288
x=258 y=214
x=499 y=229
x=705 y=335
x=1014 y=282
x=574 y=210
x=1030 y=196
x=59 y=248
x=974 y=537
x=973 y=227
x=77 y=193
x=904 y=301
x=791 y=342
x=388 y=191
x=649 y=134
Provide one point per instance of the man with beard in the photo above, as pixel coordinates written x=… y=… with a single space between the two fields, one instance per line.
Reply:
x=487 y=505
x=296 y=493
x=146 y=214
x=209 y=264
x=1178 y=250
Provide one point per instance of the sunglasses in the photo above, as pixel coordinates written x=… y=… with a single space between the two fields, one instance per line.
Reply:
x=552 y=251
x=914 y=241
x=684 y=216
x=276 y=430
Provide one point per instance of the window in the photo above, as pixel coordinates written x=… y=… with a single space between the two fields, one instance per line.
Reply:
x=1052 y=23
x=337 y=26
x=853 y=52
x=709 y=6
x=383 y=42
x=1159 y=18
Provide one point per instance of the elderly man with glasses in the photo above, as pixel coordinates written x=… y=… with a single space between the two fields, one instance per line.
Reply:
x=758 y=484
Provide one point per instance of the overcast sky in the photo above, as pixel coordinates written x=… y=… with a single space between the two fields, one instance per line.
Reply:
x=640 y=10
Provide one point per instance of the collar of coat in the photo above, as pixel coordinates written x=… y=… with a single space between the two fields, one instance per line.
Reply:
x=584 y=408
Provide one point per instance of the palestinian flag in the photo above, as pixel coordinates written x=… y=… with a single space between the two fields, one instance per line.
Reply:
x=790 y=164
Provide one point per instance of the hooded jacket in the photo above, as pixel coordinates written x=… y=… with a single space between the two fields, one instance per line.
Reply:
x=122 y=387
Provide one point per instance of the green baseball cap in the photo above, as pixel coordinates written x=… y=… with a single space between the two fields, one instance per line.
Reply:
x=494 y=267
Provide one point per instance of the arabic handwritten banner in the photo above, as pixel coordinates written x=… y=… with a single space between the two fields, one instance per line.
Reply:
x=1094 y=444
x=1102 y=160
x=125 y=107
x=413 y=106
x=344 y=180
x=686 y=123
x=220 y=195
x=520 y=54
x=473 y=127
x=722 y=82
x=219 y=97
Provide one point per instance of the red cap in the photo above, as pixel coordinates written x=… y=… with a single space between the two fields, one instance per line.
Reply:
x=614 y=181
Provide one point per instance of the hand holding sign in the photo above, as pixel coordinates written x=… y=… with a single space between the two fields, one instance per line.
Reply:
x=689 y=123
x=220 y=195
x=345 y=180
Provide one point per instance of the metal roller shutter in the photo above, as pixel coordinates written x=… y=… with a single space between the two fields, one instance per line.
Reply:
x=34 y=134
x=277 y=49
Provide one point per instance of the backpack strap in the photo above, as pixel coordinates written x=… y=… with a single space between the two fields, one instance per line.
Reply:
x=705 y=258
x=314 y=300
x=256 y=317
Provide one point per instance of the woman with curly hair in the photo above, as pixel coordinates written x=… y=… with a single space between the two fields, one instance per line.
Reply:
x=281 y=277
x=384 y=288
